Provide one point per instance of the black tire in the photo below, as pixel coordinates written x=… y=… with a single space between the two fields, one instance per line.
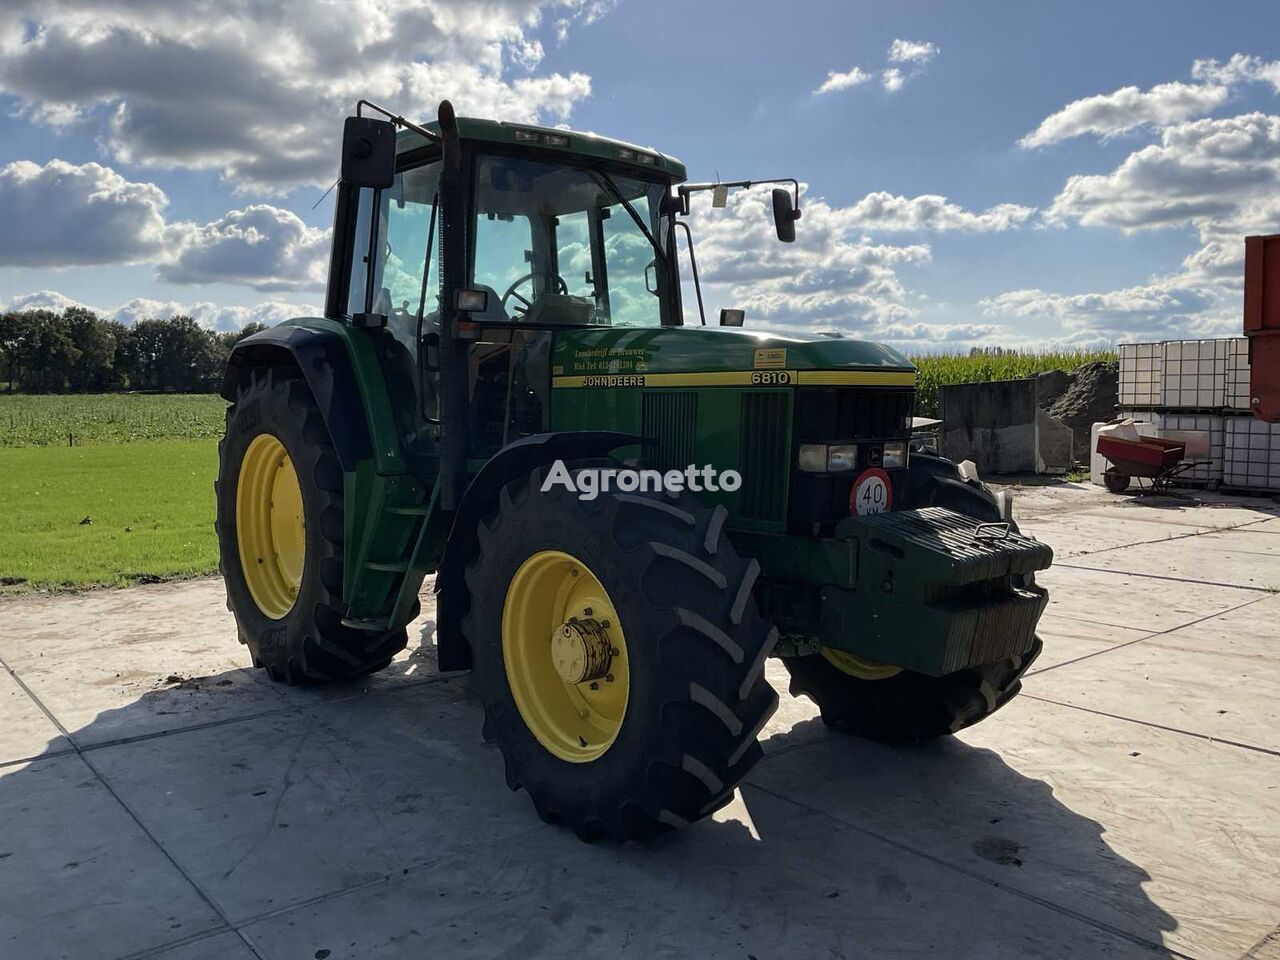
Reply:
x=696 y=653
x=910 y=707
x=308 y=644
x=1115 y=481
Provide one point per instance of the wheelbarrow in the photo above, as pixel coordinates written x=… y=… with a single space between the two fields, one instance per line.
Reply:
x=1157 y=459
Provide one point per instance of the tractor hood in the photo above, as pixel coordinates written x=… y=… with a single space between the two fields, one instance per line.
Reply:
x=766 y=357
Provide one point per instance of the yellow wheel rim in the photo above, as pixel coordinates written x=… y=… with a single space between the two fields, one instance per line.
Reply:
x=856 y=666
x=269 y=527
x=565 y=656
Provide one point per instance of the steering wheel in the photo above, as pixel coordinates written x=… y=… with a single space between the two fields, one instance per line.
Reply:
x=526 y=303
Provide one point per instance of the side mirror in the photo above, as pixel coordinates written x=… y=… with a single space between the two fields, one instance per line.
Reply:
x=369 y=152
x=733 y=318
x=784 y=215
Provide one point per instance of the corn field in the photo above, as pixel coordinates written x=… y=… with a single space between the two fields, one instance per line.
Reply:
x=936 y=370
x=78 y=419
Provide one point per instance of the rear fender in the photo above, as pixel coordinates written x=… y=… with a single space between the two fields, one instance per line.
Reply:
x=323 y=360
x=517 y=459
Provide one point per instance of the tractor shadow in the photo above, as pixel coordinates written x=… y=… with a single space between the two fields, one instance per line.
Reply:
x=311 y=806
x=969 y=812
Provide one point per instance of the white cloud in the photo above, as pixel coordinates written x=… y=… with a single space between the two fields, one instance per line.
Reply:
x=260 y=246
x=209 y=315
x=1161 y=309
x=884 y=211
x=912 y=51
x=832 y=277
x=61 y=214
x=1202 y=172
x=255 y=91
x=843 y=81
x=1218 y=178
x=1113 y=113
x=1240 y=68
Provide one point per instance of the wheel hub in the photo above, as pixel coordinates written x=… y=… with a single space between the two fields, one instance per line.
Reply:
x=581 y=651
x=565 y=655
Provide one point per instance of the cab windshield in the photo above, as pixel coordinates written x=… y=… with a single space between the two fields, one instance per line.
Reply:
x=566 y=245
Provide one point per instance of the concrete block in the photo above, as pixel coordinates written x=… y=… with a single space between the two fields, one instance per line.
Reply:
x=1219 y=679
x=78 y=877
x=1067 y=638
x=1054 y=445
x=25 y=732
x=1167 y=838
x=1230 y=557
x=271 y=812
x=1142 y=603
x=767 y=878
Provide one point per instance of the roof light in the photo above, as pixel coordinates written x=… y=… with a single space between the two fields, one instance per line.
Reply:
x=555 y=139
x=526 y=136
x=625 y=154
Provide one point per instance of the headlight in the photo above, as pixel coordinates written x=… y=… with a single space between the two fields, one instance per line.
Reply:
x=813 y=457
x=821 y=458
x=895 y=455
x=842 y=456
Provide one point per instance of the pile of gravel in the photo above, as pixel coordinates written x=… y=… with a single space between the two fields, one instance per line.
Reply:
x=1090 y=397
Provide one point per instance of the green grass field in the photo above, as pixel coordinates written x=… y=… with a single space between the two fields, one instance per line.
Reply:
x=151 y=507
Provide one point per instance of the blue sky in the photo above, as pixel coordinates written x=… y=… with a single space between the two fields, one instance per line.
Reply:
x=927 y=222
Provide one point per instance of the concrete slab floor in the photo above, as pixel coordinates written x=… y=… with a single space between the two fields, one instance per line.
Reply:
x=182 y=807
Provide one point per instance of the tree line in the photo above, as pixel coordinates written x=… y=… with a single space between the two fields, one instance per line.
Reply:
x=76 y=351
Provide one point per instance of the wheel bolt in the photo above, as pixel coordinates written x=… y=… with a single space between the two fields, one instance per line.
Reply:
x=607 y=679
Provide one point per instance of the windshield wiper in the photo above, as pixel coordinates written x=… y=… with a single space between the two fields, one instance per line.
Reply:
x=607 y=182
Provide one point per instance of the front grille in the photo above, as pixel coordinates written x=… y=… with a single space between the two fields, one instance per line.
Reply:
x=671 y=419
x=764 y=457
x=833 y=414
x=824 y=414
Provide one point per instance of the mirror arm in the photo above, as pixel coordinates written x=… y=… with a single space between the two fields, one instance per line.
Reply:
x=399 y=120
x=693 y=262
x=687 y=188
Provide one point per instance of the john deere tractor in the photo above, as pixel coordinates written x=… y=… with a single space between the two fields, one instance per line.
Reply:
x=504 y=305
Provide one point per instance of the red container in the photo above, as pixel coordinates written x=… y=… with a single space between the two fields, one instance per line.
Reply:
x=1262 y=324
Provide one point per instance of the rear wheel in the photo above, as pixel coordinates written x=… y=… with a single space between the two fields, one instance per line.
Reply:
x=619 y=656
x=1115 y=480
x=280 y=529
x=885 y=702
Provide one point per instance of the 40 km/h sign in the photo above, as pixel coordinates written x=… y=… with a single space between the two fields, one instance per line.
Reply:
x=871 y=492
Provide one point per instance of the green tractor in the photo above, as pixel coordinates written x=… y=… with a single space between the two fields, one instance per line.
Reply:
x=503 y=391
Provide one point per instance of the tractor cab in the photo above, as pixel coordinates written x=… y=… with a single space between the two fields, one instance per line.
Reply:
x=530 y=231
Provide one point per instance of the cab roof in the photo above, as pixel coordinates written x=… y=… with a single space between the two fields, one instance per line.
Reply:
x=555 y=140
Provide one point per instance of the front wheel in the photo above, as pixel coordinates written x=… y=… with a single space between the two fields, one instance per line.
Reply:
x=893 y=705
x=619 y=656
x=887 y=703
x=280 y=532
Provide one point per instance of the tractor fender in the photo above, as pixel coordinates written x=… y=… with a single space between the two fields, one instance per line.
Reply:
x=935 y=481
x=322 y=359
x=516 y=459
